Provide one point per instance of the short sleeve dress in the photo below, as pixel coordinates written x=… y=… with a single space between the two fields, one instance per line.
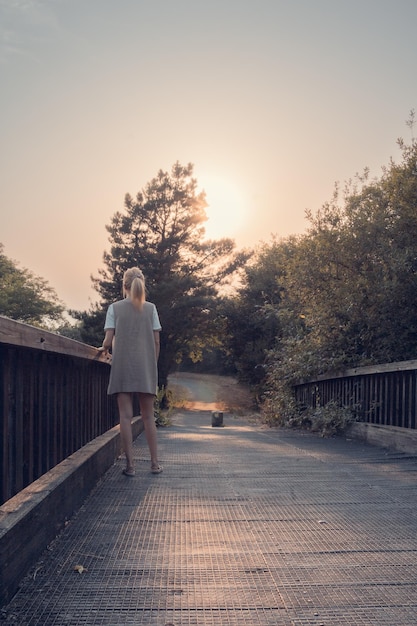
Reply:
x=134 y=364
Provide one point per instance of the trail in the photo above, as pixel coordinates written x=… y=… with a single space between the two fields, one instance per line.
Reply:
x=210 y=392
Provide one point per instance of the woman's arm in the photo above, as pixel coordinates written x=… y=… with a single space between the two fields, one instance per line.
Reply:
x=157 y=343
x=108 y=340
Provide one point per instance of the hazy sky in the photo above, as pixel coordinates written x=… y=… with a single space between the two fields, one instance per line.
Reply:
x=273 y=101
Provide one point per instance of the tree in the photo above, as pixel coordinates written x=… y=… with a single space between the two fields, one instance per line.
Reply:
x=26 y=297
x=251 y=316
x=161 y=231
x=356 y=271
x=350 y=290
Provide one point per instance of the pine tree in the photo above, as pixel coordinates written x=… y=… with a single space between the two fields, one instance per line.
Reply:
x=162 y=232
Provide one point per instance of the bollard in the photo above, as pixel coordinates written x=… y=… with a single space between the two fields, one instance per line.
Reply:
x=217 y=418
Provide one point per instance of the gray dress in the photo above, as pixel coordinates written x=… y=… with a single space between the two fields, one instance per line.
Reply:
x=134 y=366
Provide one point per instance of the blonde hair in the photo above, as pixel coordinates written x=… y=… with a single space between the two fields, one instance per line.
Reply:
x=134 y=283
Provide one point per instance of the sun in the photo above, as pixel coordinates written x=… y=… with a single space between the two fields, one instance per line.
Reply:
x=227 y=207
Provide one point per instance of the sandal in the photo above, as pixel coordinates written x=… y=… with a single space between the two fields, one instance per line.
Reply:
x=156 y=469
x=128 y=472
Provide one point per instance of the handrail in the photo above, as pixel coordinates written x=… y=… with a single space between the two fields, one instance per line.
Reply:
x=398 y=366
x=53 y=400
x=20 y=334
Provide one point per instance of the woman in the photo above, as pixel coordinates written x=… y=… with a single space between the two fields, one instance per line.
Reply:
x=132 y=331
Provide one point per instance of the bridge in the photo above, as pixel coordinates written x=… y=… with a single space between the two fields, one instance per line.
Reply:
x=245 y=525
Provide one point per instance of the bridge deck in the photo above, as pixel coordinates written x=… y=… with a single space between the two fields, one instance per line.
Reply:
x=246 y=525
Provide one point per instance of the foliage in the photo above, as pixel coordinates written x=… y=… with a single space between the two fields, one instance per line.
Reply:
x=26 y=297
x=162 y=414
x=91 y=324
x=358 y=266
x=161 y=231
x=330 y=419
x=349 y=290
x=327 y=420
x=251 y=317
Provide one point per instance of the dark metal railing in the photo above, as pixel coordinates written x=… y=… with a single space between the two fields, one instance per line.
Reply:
x=382 y=394
x=53 y=400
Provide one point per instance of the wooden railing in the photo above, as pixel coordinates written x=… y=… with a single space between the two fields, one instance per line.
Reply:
x=385 y=395
x=53 y=400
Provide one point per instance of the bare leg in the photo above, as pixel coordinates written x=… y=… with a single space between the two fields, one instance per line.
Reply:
x=146 y=401
x=124 y=401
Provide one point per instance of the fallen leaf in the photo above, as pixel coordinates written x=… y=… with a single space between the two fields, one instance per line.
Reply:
x=80 y=569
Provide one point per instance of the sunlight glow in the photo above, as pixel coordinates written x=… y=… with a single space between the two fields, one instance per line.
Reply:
x=227 y=209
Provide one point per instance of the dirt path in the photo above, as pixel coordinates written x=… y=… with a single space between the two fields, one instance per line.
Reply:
x=209 y=392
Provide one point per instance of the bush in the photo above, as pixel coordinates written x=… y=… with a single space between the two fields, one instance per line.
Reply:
x=327 y=420
x=330 y=419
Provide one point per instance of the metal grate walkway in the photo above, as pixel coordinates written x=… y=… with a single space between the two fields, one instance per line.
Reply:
x=246 y=525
